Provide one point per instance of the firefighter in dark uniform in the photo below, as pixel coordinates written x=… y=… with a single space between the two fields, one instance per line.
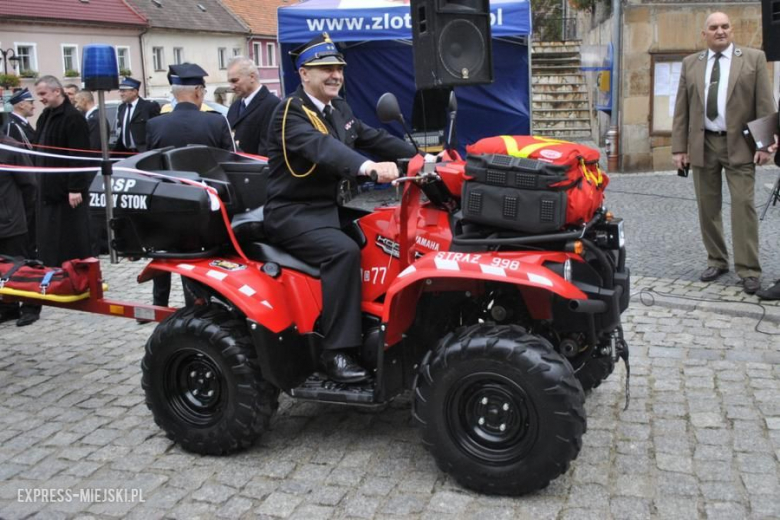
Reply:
x=17 y=127
x=185 y=125
x=312 y=147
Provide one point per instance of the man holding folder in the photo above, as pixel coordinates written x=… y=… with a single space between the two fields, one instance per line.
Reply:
x=721 y=89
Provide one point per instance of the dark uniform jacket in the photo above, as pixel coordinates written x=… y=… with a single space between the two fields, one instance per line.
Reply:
x=320 y=156
x=19 y=129
x=18 y=191
x=93 y=123
x=251 y=128
x=144 y=111
x=63 y=232
x=186 y=124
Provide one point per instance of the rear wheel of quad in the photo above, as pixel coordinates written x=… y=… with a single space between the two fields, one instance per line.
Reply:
x=500 y=410
x=202 y=382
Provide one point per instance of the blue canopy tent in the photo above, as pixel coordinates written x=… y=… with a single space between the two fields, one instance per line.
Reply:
x=376 y=39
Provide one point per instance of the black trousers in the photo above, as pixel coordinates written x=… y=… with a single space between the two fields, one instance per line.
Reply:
x=161 y=289
x=338 y=257
x=17 y=246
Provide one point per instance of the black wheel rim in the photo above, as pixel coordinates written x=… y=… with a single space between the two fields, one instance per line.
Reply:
x=491 y=418
x=194 y=385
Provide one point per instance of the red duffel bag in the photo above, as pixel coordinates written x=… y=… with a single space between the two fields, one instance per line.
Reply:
x=34 y=277
x=585 y=180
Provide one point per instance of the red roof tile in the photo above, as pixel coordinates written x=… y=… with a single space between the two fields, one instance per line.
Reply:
x=90 y=11
x=259 y=15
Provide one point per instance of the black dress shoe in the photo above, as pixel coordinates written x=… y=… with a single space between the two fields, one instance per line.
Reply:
x=9 y=316
x=712 y=273
x=341 y=368
x=27 y=319
x=751 y=284
x=771 y=293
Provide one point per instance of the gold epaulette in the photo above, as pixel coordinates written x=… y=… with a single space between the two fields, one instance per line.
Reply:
x=315 y=119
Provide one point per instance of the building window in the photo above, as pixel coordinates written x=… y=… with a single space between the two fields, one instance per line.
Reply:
x=123 y=59
x=270 y=55
x=28 y=61
x=256 y=53
x=236 y=51
x=221 y=58
x=178 y=55
x=158 y=58
x=70 y=59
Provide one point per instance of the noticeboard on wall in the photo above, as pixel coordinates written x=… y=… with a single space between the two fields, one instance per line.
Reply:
x=666 y=78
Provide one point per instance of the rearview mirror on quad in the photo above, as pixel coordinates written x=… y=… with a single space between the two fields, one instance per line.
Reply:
x=387 y=109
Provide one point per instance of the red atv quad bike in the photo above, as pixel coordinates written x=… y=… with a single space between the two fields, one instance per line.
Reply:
x=496 y=333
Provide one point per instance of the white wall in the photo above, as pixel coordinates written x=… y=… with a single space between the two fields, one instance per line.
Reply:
x=48 y=41
x=200 y=48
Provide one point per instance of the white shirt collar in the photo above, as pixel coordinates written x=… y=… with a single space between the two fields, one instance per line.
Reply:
x=89 y=112
x=251 y=96
x=725 y=54
x=317 y=103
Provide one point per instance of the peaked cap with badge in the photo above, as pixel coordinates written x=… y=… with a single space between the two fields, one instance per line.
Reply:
x=129 y=83
x=22 y=95
x=317 y=52
x=188 y=74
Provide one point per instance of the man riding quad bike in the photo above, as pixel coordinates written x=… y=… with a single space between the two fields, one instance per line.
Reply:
x=496 y=332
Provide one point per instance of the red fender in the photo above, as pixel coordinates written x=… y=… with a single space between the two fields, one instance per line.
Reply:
x=260 y=297
x=523 y=269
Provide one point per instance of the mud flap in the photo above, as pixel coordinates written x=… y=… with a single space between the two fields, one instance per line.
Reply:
x=620 y=350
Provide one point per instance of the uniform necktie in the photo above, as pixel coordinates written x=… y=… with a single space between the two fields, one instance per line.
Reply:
x=126 y=126
x=241 y=108
x=328 y=112
x=712 y=92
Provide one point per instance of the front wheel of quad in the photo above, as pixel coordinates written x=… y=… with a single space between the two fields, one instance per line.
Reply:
x=202 y=382
x=500 y=410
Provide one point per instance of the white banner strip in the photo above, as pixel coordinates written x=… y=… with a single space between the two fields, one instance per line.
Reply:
x=53 y=155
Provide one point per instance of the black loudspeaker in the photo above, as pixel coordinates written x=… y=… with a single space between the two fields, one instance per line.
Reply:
x=451 y=42
x=770 y=15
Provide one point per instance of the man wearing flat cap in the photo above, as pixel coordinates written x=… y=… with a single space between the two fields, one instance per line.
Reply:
x=132 y=116
x=17 y=127
x=186 y=124
x=312 y=148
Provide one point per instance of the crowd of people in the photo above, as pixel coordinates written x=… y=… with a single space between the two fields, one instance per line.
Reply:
x=313 y=141
x=50 y=217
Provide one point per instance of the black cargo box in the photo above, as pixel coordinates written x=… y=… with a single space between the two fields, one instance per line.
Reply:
x=160 y=215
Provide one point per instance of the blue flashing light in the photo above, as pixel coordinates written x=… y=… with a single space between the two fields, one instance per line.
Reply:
x=100 y=70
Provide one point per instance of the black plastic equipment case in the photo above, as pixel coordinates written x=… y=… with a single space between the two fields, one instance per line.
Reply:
x=514 y=193
x=161 y=215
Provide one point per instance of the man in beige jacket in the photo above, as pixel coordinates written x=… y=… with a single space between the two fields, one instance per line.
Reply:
x=721 y=89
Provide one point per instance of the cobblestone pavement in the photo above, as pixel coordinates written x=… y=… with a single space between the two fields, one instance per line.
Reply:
x=701 y=438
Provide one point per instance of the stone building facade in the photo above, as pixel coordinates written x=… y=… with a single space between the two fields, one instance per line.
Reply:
x=656 y=36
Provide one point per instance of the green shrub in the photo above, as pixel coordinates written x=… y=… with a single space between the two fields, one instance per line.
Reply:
x=70 y=73
x=9 y=80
